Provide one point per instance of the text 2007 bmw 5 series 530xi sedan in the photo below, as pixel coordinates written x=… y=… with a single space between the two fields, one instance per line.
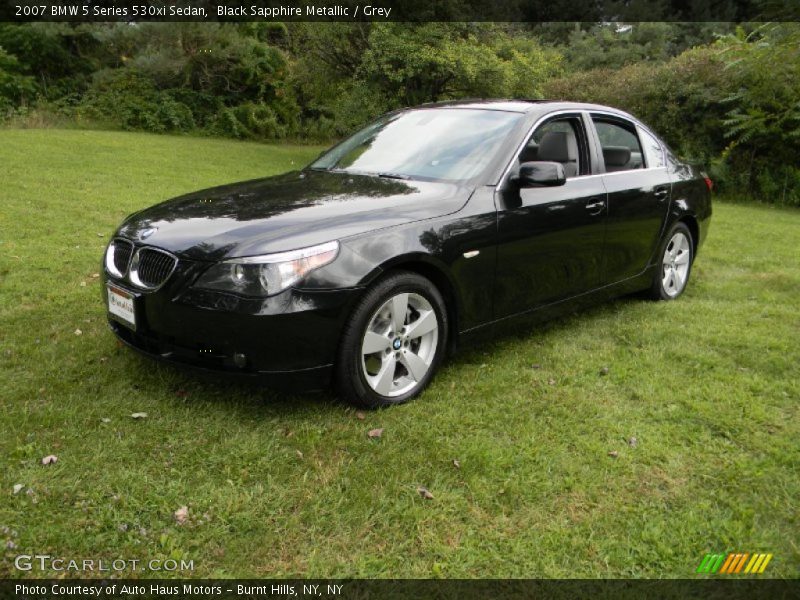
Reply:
x=430 y=224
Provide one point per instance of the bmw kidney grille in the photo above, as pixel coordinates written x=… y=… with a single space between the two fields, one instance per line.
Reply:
x=147 y=268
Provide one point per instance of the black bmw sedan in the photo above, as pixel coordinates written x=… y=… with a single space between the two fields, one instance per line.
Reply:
x=427 y=226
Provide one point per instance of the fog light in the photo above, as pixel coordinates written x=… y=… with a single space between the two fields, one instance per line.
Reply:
x=240 y=360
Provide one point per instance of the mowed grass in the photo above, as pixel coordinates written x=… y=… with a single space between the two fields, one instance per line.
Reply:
x=278 y=485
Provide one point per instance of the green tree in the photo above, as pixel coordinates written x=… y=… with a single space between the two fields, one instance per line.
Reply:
x=435 y=61
x=59 y=57
x=225 y=78
x=15 y=88
x=762 y=124
x=616 y=44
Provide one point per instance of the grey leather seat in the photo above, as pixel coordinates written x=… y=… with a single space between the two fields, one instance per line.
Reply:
x=616 y=158
x=561 y=147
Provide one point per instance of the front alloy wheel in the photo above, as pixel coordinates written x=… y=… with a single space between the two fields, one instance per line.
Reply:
x=399 y=344
x=393 y=342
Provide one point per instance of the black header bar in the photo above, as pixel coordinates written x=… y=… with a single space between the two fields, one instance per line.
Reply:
x=530 y=11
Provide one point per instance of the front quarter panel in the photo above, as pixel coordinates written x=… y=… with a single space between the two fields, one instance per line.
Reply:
x=347 y=271
x=438 y=244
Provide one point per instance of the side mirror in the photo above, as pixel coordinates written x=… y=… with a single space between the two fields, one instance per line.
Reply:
x=540 y=173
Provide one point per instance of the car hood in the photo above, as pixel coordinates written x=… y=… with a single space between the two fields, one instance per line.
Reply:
x=289 y=211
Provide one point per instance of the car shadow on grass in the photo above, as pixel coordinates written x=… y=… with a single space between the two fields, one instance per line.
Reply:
x=546 y=322
x=182 y=385
x=249 y=398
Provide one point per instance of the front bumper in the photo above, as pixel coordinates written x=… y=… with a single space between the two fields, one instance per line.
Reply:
x=288 y=341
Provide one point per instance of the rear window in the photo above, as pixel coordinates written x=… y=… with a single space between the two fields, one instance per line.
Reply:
x=621 y=148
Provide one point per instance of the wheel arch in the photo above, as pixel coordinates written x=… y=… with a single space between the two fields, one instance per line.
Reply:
x=694 y=228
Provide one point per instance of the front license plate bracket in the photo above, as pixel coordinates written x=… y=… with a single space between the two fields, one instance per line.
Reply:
x=121 y=306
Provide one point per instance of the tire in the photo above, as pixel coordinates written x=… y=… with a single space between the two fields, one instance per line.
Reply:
x=403 y=362
x=676 y=255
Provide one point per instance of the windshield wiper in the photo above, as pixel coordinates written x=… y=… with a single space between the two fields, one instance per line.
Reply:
x=393 y=176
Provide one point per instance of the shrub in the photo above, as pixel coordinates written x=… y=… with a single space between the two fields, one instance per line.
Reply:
x=437 y=61
x=130 y=100
x=249 y=120
x=733 y=107
x=682 y=99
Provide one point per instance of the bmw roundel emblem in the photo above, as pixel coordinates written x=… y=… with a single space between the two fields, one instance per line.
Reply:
x=397 y=343
x=146 y=233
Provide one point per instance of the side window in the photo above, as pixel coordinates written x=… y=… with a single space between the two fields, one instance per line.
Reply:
x=653 y=153
x=621 y=148
x=559 y=140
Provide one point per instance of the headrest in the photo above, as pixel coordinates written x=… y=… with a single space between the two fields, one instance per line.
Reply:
x=558 y=146
x=616 y=156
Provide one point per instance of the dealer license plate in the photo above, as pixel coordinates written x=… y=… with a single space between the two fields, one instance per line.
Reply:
x=120 y=304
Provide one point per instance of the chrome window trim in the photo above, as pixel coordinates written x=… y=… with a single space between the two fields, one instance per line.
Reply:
x=625 y=172
x=636 y=124
x=111 y=268
x=588 y=112
x=503 y=178
x=133 y=269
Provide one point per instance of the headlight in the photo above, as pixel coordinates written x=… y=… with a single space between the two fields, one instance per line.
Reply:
x=267 y=274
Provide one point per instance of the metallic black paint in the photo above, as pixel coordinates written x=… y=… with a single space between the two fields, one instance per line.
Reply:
x=289 y=211
x=538 y=249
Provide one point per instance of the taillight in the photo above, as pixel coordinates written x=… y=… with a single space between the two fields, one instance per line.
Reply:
x=709 y=183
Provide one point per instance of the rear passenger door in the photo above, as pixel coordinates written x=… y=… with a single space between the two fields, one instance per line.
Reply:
x=638 y=186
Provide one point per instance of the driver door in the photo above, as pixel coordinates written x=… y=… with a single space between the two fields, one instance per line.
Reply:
x=550 y=238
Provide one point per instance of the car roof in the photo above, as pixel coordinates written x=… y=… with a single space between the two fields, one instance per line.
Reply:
x=522 y=106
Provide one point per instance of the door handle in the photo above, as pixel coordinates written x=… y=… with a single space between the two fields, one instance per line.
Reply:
x=596 y=208
x=660 y=193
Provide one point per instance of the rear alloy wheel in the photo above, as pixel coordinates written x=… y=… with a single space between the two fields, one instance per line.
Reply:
x=393 y=342
x=676 y=264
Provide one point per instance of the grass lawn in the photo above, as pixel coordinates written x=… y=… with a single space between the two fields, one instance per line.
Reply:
x=277 y=485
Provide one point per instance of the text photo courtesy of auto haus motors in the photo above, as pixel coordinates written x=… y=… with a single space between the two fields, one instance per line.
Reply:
x=399 y=300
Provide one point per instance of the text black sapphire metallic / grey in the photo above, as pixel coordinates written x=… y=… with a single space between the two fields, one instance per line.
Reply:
x=426 y=227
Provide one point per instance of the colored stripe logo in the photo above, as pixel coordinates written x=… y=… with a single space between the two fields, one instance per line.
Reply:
x=735 y=562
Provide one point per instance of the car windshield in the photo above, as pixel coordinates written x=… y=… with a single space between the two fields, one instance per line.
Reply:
x=452 y=144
